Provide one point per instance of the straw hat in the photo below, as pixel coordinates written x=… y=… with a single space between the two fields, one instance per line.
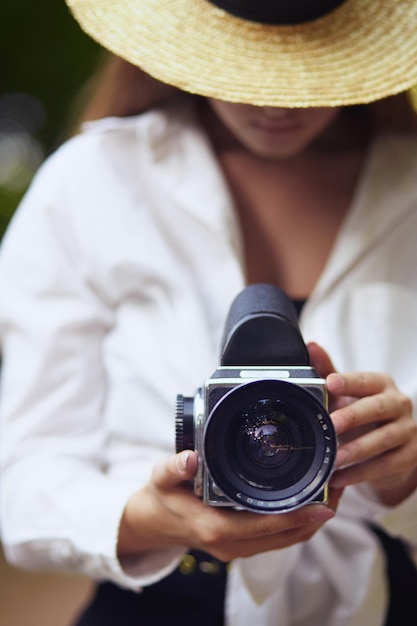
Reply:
x=289 y=53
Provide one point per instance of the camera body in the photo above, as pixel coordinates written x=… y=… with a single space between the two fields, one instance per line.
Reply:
x=259 y=424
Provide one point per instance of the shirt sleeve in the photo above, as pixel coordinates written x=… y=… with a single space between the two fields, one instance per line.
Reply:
x=60 y=505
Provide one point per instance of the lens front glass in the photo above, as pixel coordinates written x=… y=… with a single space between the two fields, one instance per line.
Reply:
x=274 y=444
x=270 y=443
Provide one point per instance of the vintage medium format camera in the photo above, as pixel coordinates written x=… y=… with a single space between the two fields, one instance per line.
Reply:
x=260 y=425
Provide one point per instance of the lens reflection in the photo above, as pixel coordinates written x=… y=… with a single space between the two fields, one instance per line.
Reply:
x=267 y=437
x=275 y=445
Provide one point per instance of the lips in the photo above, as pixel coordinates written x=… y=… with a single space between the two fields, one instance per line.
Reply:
x=277 y=126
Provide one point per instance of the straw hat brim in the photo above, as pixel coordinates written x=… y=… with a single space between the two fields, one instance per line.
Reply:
x=362 y=51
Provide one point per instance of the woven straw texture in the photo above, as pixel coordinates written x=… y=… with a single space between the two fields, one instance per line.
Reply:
x=363 y=51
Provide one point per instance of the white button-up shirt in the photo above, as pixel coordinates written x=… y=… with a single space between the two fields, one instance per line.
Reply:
x=116 y=276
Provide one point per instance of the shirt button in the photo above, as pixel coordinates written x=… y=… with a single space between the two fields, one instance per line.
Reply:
x=188 y=565
x=209 y=567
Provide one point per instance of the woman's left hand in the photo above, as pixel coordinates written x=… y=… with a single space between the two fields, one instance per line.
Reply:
x=376 y=430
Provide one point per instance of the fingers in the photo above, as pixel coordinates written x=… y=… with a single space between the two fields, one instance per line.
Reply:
x=273 y=532
x=233 y=534
x=376 y=442
x=370 y=410
x=378 y=400
x=377 y=435
x=358 y=384
x=286 y=538
x=379 y=468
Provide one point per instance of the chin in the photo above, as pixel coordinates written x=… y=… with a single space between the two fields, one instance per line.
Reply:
x=274 y=154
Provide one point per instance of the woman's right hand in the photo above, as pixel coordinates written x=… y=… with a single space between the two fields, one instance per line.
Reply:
x=166 y=513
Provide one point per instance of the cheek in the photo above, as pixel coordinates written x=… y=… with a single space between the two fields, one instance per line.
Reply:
x=233 y=116
x=322 y=119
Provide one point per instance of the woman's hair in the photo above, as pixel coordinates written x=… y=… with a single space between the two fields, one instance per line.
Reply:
x=118 y=89
x=121 y=89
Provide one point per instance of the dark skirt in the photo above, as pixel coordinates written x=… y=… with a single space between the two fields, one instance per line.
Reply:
x=402 y=579
x=193 y=595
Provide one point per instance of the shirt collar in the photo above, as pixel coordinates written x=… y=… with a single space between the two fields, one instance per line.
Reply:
x=385 y=194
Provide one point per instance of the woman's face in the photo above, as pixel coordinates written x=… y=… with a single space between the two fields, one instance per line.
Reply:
x=274 y=133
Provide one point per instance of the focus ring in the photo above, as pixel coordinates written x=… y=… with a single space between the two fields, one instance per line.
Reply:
x=184 y=424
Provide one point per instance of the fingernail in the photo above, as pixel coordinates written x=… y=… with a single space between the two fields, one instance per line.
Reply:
x=182 y=461
x=336 y=382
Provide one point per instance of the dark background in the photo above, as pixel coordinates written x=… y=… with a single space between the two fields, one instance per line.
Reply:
x=44 y=60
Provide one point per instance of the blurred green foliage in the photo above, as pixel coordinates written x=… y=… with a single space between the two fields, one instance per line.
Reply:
x=44 y=55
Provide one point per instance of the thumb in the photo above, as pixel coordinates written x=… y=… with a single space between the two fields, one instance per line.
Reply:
x=175 y=470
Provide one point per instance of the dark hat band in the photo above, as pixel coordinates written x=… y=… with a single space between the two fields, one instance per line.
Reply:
x=278 y=12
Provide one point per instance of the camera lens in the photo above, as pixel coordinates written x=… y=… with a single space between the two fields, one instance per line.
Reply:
x=268 y=441
x=274 y=445
x=269 y=445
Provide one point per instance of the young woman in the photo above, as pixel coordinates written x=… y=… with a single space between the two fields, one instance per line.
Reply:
x=250 y=156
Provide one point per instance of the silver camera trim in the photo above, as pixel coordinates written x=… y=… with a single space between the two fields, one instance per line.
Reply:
x=204 y=485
